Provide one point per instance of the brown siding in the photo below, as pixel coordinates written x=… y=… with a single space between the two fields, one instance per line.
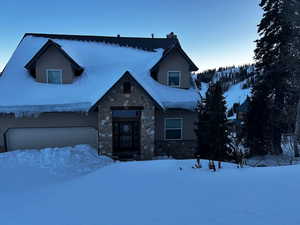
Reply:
x=54 y=59
x=189 y=118
x=54 y=120
x=175 y=62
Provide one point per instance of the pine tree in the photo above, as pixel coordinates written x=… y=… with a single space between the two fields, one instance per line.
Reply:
x=257 y=127
x=273 y=55
x=212 y=127
x=201 y=131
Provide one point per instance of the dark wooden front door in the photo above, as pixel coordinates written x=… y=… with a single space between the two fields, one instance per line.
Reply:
x=126 y=138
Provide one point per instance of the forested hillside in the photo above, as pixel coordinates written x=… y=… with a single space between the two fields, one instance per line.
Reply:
x=236 y=82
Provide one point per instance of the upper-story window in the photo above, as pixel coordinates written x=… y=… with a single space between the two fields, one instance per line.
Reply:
x=174 y=78
x=54 y=76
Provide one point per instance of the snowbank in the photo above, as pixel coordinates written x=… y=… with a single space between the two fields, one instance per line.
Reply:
x=149 y=193
x=63 y=162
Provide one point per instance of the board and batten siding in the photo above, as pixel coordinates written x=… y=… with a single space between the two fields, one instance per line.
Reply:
x=54 y=59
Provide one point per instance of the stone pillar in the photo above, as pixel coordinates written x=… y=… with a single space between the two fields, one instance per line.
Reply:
x=147 y=133
x=105 y=131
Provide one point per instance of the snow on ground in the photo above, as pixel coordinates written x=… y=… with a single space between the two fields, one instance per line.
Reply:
x=286 y=158
x=59 y=162
x=236 y=94
x=203 y=89
x=158 y=192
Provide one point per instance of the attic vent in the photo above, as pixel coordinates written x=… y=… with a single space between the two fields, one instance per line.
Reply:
x=126 y=87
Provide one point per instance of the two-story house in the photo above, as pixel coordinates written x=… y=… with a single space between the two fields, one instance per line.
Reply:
x=126 y=96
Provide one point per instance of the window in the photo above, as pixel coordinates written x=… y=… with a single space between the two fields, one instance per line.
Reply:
x=174 y=78
x=126 y=113
x=54 y=76
x=173 y=129
x=126 y=87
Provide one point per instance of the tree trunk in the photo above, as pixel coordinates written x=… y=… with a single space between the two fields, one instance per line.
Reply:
x=276 y=142
x=277 y=122
x=297 y=131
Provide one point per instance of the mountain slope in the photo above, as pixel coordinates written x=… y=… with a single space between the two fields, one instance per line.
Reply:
x=236 y=82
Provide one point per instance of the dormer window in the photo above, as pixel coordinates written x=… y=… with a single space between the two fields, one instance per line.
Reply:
x=54 y=76
x=174 y=78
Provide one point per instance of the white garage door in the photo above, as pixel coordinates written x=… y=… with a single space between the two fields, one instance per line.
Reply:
x=37 y=138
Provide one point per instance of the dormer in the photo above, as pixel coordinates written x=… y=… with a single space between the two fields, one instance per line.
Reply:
x=51 y=64
x=174 y=68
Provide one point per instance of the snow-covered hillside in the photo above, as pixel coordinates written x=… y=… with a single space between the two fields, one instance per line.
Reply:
x=236 y=94
x=163 y=192
x=236 y=82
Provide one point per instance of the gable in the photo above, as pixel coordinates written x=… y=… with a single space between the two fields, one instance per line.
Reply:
x=175 y=49
x=175 y=60
x=53 y=54
x=53 y=59
x=138 y=96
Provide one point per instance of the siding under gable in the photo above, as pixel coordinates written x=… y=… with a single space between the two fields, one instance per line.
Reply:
x=54 y=59
x=175 y=62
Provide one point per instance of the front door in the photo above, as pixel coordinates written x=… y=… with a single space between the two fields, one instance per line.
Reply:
x=126 y=138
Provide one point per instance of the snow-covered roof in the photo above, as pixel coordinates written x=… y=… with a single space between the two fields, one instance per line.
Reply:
x=104 y=64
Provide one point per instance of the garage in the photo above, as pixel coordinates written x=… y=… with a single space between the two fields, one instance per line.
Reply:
x=38 y=138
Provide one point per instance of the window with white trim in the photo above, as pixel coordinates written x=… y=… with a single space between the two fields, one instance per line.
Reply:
x=173 y=128
x=174 y=78
x=54 y=76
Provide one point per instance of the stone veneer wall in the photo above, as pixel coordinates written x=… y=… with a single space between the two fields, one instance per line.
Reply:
x=116 y=98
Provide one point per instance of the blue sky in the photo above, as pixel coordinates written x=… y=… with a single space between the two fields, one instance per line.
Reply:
x=213 y=32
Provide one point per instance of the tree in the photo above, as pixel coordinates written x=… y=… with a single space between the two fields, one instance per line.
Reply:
x=274 y=56
x=201 y=132
x=257 y=127
x=212 y=127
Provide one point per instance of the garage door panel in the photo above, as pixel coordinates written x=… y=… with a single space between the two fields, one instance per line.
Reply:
x=37 y=138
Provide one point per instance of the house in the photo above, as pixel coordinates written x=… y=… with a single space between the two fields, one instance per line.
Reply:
x=126 y=96
x=243 y=109
x=240 y=112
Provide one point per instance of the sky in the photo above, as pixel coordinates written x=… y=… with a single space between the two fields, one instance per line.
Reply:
x=214 y=33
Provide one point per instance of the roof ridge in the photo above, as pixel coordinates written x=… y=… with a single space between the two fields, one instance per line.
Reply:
x=93 y=36
x=144 y=43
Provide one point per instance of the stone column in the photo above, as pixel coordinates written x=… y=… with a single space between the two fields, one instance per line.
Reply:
x=147 y=133
x=105 y=131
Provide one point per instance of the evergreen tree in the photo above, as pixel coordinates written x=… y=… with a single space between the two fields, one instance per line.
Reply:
x=273 y=55
x=256 y=129
x=212 y=128
x=201 y=131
